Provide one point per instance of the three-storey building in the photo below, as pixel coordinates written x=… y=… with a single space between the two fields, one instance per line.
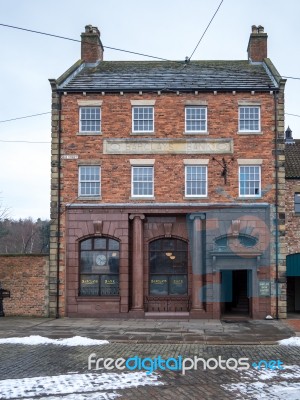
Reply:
x=167 y=186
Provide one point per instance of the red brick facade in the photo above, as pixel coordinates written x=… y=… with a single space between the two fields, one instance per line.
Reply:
x=27 y=279
x=201 y=223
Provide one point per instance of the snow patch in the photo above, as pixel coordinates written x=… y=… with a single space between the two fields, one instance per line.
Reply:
x=36 y=340
x=260 y=385
x=76 y=386
x=293 y=341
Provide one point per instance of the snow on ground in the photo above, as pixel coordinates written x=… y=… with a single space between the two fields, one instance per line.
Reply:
x=259 y=384
x=35 y=340
x=293 y=341
x=75 y=386
x=77 y=396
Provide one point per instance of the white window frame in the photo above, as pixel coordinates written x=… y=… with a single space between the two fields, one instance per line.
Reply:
x=133 y=182
x=186 y=181
x=259 y=118
x=81 y=129
x=254 y=180
x=297 y=203
x=186 y=120
x=142 y=107
x=80 y=181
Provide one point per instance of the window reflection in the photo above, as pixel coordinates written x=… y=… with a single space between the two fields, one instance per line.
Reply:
x=99 y=267
x=168 y=267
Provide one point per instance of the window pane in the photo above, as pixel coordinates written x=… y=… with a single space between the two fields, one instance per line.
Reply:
x=109 y=285
x=113 y=244
x=89 y=285
x=86 y=261
x=249 y=119
x=195 y=119
x=159 y=285
x=249 y=181
x=100 y=243
x=167 y=258
x=86 y=244
x=89 y=181
x=90 y=119
x=142 y=181
x=178 y=284
x=143 y=119
x=96 y=259
x=196 y=181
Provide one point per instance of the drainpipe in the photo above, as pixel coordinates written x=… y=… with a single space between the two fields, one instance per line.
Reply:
x=276 y=204
x=58 y=206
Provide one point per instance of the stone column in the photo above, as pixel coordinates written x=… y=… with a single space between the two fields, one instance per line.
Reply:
x=197 y=262
x=137 y=262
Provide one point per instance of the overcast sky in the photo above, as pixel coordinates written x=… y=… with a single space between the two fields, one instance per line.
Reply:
x=163 y=28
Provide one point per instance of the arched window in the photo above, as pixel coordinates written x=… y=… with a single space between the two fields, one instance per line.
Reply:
x=99 y=267
x=168 y=260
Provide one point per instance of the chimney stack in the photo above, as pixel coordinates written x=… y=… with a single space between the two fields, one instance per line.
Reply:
x=91 y=45
x=257 y=46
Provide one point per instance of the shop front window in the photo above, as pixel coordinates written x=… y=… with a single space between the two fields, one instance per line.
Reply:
x=99 y=267
x=168 y=267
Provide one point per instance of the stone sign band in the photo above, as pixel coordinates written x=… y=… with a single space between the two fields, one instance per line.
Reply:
x=167 y=146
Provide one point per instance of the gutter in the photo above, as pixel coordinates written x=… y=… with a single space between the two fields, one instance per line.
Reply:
x=276 y=206
x=58 y=206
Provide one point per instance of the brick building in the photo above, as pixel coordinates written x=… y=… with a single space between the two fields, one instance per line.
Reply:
x=167 y=186
x=292 y=204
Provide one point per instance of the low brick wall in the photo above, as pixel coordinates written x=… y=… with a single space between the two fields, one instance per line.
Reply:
x=26 y=276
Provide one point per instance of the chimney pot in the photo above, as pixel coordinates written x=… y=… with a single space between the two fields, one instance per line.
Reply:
x=91 y=45
x=257 y=46
x=261 y=29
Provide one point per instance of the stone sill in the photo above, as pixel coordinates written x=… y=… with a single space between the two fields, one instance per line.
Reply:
x=84 y=299
x=142 y=133
x=197 y=133
x=250 y=198
x=89 y=198
x=89 y=133
x=250 y=133
x=141 y=198
x=195 y=198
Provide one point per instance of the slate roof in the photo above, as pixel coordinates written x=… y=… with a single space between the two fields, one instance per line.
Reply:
x=170 y=75
x=292 y=160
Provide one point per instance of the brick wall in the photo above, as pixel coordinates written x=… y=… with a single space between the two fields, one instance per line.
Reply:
x=26 y=276
x=292 y=220
x=222 y=116
x=169 y=181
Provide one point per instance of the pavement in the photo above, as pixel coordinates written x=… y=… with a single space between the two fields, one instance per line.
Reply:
x=52 y=372
x=208 y=332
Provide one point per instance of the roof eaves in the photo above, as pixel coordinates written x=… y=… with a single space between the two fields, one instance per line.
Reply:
x=163 y=89
x=272 y=71
x=70 y=73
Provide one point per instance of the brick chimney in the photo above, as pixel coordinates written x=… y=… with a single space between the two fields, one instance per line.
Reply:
x=91 y=45
x=257 y=46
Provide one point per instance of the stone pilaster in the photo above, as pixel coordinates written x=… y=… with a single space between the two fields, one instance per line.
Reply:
x=197 y=262
x=137 y=263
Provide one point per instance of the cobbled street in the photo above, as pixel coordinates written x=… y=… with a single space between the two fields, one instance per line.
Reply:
x=20 y=361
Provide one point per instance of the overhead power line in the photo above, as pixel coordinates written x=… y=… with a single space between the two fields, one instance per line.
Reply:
x=79 y=41
x=206 y=29
x=128 y=51
x=293 y=115
x=23 y=141
x=26 y=116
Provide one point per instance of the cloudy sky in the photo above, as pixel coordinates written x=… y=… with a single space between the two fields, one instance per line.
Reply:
x=163 y=28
